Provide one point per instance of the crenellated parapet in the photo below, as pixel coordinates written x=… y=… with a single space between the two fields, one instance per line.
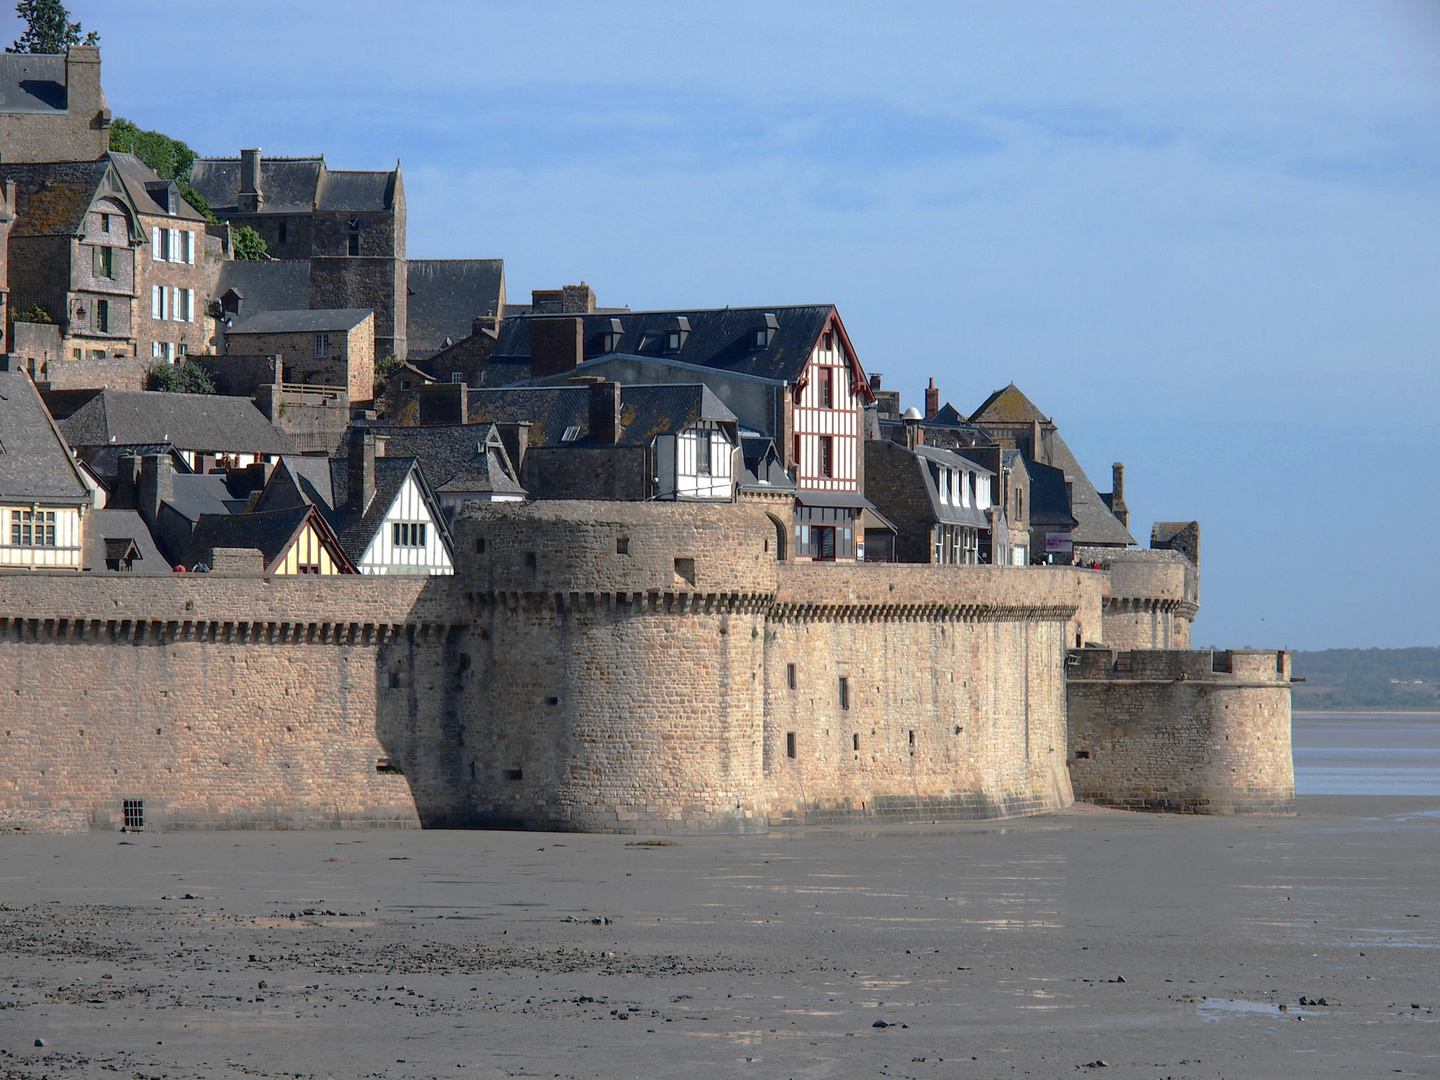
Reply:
x=1151 y=600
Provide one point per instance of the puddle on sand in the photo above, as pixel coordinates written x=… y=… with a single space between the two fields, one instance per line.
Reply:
x=1216 y=1008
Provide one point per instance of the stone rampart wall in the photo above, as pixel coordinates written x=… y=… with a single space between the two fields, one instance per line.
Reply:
x=1183 y=731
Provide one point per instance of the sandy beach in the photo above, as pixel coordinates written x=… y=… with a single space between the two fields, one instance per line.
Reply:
x=1162 y=946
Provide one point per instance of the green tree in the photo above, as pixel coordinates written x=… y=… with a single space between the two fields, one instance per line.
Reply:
x=388 y=364
x=171 y=159
x=249 y=244
x=186 y=377
x=34 y=313
x=48 y=28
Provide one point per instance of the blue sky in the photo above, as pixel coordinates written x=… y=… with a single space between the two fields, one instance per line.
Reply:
x=1203 y=237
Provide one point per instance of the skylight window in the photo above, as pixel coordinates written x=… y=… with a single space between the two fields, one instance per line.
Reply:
x=571 y=433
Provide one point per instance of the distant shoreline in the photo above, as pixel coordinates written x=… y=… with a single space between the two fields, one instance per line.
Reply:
x=1364 y=713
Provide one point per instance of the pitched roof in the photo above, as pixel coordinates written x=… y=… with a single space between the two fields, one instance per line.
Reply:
x=645 y=411
x=1049 y=501
x=290 y=185
x=52 y=197
x=136 y=176
x=197 y=494
x=35 y=463
x=33 y=83
x=304 y=321
x=270 y=533
x=720 y=338
x=118 y=529
x=445 y=296
x=266 y=284
x=202 y=422
x=356 y=189
x=457 y=457
x=355 y=531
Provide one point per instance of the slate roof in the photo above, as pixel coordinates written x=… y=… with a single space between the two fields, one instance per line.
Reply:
x=304 y=321
x=645 y=411
x=948 y=512
x=763 y=470
x=355 y=189
x=1049 y=502
x=289 y=184
x=35 y=463
x=1095 y=524
x=135 y=174
x=202 y=422
x=457 y=457
x=52 y=197
x=111 y=529
x=266 y=284
x=445 y=295
x=720 y=338
x=33 y=83
x=269 y=532
x=197 y=494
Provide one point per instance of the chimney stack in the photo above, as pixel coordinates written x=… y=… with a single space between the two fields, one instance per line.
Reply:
x=1036 y=449
x=156 y=486
x=914 y=433
x=127 y=481
x=360 y=471
x=251 y=197
x=556 y=345
x=1117 y=493
x=604 y=413
x=874 y=380
x=932 y=400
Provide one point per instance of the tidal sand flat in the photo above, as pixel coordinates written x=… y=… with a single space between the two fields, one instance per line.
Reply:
x=1160 y=946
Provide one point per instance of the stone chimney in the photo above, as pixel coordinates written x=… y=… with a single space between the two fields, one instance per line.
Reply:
x=516 y=439
x=127 y=483
x=914 y=433
x=444 y=403
x=251 y=197
x=1037 y=449
x=156 y=486
x=360 y=471
x=604 y=413
x=83 y=93
x=577 y=299
x=932 y=400
x=556 y=345
x=1117 y=493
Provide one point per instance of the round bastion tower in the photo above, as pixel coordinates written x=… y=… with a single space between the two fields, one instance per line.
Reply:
x=617 y=653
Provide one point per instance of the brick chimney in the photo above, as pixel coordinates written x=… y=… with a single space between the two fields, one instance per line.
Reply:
x=251 y=197
x=1117 y=493
x=932 y=400
x=360 y=471
x=604 y=413
x=156 y=486
x=556 y=345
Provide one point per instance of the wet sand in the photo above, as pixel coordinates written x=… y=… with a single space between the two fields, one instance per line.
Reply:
x=1163 y=946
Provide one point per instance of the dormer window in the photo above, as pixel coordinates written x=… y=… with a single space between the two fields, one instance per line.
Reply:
x=571 y=433
x=762 y=336
x=676 y=333
x=610 y=339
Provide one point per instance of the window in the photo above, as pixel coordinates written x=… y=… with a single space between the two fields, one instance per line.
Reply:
x=702 y=453
x=354 y=239
x=761 y=339
x=404 y=384
x=514 y=774
x=172 y=245
x=308 y=568
x=480 y=546
x=844 y=692
x=408 y=533
x=829 y=341
x=827 y=389
x=102 y=315
x=795 y=457
x=105 y=223
x=672 y=341
x=134 y=811
x=157 y=246
x=322 y=346
x=855 y=742
x=104 y=261
x=457 y=377
x=280 y=233
x=32 y=528
x=392 y=680
x=790 y=677
x=790 y=744
x=822 y=541
x=827 y=455
x=912 y=738
x=571 y=433
x=155 y=349
x=622 y=545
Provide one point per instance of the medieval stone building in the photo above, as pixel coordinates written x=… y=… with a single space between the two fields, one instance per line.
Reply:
x=52 y=107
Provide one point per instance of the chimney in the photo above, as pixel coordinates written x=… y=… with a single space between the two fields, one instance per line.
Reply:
x=932 y=400
x=444 y=403
x=577 y=299
x=1117 y=493
x=604 y=413
x=874 y=380
x=251 y=197
x=360 y=471
x=516 y=438
x=127 y=480
x=156 y=486
x=1036 y=450
x=914 y=433
x=556 y=345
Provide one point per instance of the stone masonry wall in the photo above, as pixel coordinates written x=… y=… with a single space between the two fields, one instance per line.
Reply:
x=1182 y=731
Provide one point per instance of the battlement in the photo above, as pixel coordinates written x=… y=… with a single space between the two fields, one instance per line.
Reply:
x=1190 y=731
x=1152 y=598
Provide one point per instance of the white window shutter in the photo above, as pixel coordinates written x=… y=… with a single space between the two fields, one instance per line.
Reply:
x=189 y=303
x=174 y=245
x=155 y=302
x=190 y=247
x=155 y=255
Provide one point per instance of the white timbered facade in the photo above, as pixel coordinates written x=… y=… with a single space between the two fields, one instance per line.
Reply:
x=411 y=538
x=697 y=463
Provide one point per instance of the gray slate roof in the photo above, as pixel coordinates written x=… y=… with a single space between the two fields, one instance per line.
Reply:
x=35 y=463
x=457 y=457
x=645 y=411
x=268 y=532
x=266 y=284
x=135 y=174
x=721 y=338
x=52 y=197
x=196 y=422
x=103 y=528
x=33 y=83
x=356 y=189
x=310 y=320
x=289 y=184
x=445 y=295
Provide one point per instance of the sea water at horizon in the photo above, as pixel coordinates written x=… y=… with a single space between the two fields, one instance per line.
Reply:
x=1366 y=753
